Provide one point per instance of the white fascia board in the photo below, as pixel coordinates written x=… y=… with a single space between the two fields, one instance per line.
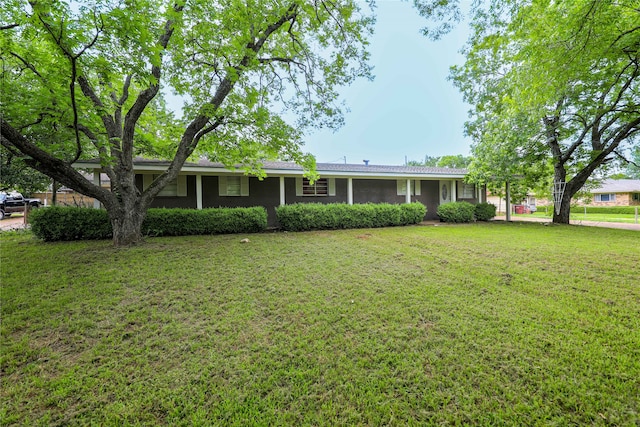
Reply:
x=288 y=173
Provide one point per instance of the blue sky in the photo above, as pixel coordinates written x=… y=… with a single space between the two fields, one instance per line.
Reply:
x=410 y=109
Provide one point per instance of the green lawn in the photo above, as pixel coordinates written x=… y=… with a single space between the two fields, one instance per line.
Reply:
x=486 y=324
x=627 y=218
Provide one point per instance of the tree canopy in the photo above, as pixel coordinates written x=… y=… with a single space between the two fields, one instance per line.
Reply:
x=91 y=76
x=553 y=86
x=457 y=161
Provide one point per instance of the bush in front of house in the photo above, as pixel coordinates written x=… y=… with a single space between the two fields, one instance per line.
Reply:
x=332 y=216
x=185 y=222
x=456 y=212
x=485 y=211
x=71 y=223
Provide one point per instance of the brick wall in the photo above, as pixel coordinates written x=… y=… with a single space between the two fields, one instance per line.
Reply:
x=622 y=199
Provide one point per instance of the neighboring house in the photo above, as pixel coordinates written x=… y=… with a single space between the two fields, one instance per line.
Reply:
x=206 y=185
x=617 y=192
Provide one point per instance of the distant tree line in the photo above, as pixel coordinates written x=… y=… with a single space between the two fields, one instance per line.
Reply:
x=457 y=161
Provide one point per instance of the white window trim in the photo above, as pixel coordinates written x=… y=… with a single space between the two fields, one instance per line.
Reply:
x=181 y=185
x=401 y=187
x=470 y=194
x=331 y=188
x=223 y=188
x=612 y=197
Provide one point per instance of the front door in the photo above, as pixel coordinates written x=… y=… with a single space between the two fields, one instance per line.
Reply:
x=445 y=192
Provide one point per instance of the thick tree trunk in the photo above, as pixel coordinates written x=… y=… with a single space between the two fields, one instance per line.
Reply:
x=127 y=226
x=562 y=217
x=128 y=212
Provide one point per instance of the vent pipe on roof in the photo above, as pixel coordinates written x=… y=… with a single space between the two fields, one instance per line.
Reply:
x=366 y=162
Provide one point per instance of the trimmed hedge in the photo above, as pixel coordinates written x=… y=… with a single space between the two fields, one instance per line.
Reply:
x=70 y=223
x=184 y=222
x=484 y=211
x=456 y=212
x=331 y=216
x=630 y=210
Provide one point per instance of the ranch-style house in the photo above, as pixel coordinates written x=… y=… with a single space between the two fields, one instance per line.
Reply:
x=208 y=185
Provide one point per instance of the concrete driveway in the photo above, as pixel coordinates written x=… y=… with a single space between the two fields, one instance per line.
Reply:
x=14 y=222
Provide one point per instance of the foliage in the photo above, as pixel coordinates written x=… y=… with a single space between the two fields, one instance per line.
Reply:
x=484 y=324
x=184 y=222
x=93 y=79
x=632 y=167
x=318 y=216
x=457 y=161
x=553 y=88
x=456 y=212
x=70 y=223
x=57 y=223
x=613 y=210
x=16 y=175
x=484 y=211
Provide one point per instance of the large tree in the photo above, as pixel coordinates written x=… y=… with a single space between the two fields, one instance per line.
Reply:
x=552 y=82
x=16 y=175
x=95 y=71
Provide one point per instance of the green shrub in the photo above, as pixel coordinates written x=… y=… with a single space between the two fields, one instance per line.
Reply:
x=412 y=213
x=456 y=212
x=318 y=216
x=485 y=211
x=185 y=222
x=613 y=210
x=70 y=223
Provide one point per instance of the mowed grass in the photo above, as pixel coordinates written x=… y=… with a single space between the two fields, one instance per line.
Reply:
x=625 y=218
x=486 y=324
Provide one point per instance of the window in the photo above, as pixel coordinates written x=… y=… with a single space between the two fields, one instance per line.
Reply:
x=169 y=190
x=402 y=187
x=234 y=186
x=175 y=188
x=605 y=197
x=636 y=197
x=320 y=188
x=467 y=191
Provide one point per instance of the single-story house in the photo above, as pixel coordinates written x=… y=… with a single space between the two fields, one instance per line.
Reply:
x=617 y=192
x=206 y=185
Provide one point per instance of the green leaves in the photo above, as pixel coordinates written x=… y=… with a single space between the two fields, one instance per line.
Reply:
x=254 y=76
x=550 y=83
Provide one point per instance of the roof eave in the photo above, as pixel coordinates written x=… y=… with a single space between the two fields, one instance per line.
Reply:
x=213 y=170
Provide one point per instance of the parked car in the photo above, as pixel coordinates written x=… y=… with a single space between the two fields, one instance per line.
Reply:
x=13 y=202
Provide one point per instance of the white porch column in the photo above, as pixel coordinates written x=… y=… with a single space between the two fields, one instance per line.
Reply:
x=454 y=193
x=350 y=191
x=199 y=192
x=282 y=198
x=507 y=201
x=407 y=197
x=96 y=181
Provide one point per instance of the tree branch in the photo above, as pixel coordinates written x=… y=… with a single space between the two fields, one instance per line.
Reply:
x=50 y=165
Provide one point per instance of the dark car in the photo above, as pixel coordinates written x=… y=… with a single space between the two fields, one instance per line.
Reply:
x=13 y=202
